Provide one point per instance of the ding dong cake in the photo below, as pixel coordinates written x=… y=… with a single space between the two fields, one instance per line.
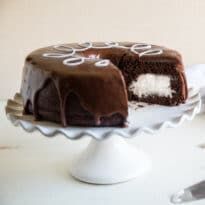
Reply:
x=90 y=84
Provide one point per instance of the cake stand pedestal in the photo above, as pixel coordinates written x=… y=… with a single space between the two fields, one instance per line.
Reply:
x=110 y=161
x=108 y=158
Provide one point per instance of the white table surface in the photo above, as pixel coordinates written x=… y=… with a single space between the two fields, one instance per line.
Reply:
x=35 y=169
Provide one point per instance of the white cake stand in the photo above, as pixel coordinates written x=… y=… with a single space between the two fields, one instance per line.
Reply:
x=108 y=158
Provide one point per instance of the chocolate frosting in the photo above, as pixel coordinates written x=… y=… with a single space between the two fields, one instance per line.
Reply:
x=83 y=70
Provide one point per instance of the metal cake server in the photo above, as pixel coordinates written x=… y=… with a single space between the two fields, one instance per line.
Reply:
x=192 y=193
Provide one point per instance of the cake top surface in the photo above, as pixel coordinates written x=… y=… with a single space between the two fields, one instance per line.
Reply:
x=96 y=56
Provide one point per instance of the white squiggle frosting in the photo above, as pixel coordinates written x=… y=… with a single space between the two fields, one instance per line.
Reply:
x=151 y=52
x=102 y=63
x=73 y=61
x=139 y=46
x=69 y=52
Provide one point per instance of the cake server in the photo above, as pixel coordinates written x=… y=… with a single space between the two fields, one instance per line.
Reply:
x=192 y=193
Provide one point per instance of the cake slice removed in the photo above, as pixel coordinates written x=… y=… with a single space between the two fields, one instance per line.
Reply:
x=155 y=79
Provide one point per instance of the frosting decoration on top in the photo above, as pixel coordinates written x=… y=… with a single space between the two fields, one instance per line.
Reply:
x=71 y=59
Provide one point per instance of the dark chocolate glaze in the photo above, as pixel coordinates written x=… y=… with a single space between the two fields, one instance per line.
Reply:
x=89 y=95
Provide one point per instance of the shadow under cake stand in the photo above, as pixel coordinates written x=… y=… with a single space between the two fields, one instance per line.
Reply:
x=108 y=158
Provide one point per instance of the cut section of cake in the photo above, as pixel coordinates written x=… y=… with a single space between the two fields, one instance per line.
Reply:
x=155 y=78
x=89 y=84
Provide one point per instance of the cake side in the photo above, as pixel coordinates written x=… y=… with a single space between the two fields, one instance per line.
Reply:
x=94 y=97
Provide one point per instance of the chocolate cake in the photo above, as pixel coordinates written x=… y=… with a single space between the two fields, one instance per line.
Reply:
x=89 y=84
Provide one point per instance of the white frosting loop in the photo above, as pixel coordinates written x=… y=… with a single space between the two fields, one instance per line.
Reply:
x=85 y=46
x=139 y=46
x=151 y=52
x=64 y=48
x=73 y=61
x=112 y=44
x=125 y=47
x=56 y=55
x=69 y=52
x=102 y=63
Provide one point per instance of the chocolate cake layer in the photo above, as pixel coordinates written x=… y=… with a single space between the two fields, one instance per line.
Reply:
x=88 y=84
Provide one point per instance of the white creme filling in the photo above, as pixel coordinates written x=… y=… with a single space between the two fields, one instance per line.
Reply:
x=152 y=84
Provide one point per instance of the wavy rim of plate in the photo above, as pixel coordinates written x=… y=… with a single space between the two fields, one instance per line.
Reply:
x=14 y=107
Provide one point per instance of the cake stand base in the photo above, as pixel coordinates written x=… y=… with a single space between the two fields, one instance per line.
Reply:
x=109 y=161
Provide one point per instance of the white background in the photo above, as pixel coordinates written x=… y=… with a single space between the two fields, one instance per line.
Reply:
x=26 y=25
x=34 y=169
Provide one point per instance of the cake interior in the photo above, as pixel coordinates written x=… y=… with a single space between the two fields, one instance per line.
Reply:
x=152 y=82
